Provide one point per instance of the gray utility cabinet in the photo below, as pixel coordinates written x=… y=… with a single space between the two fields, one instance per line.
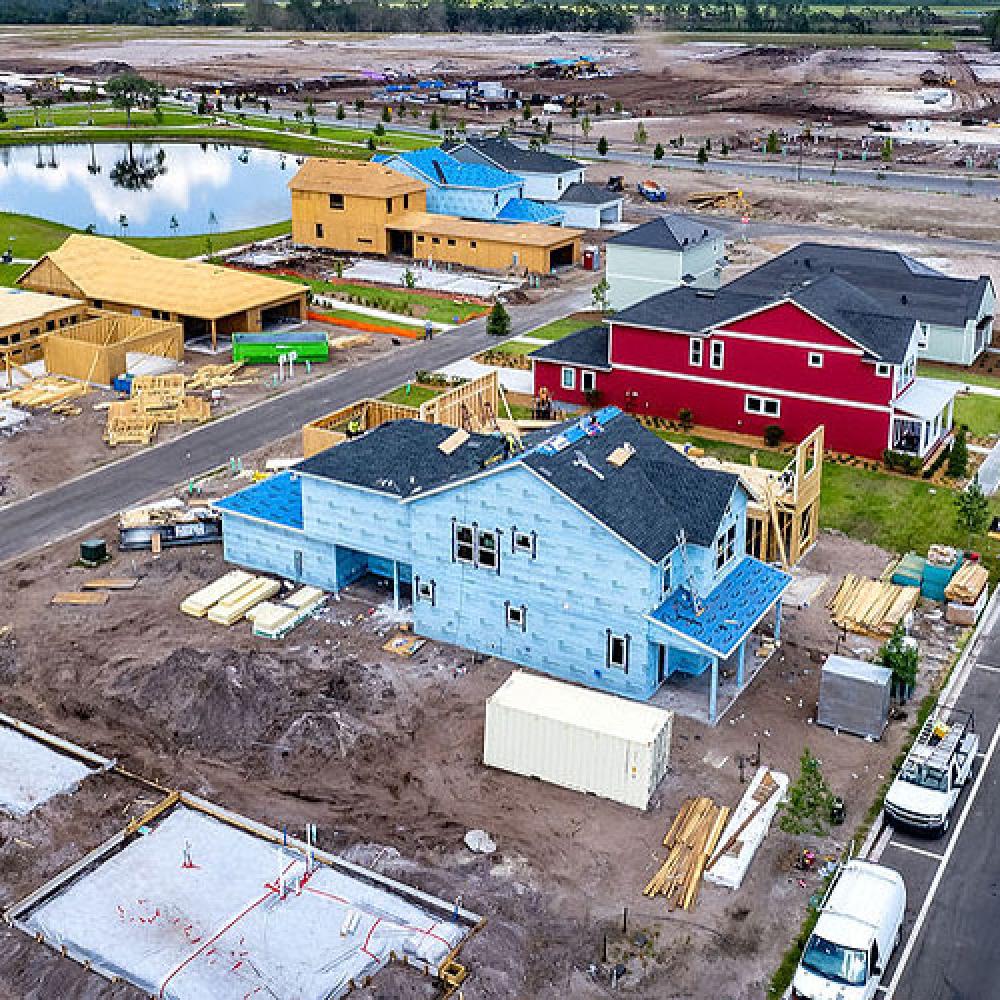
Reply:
x=854 y=696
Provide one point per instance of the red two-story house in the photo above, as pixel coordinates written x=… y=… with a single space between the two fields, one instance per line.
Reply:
x=825 y=353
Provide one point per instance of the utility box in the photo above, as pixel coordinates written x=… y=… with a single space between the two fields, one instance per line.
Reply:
x=580 y=739
x=854 y=696
x=266 y=348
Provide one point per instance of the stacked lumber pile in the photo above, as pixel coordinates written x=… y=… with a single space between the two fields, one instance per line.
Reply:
x=871 y=607
x=155 y=400
x=50 y=393
x=274 y=620
x=690 y=842
x=217 y=377
x=198 y=604
x=967 y=584
x=237 y=605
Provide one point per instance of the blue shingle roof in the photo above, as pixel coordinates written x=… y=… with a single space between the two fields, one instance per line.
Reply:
x=729 y=612
x=442 y=169
x=277 y=500
x=526 y=210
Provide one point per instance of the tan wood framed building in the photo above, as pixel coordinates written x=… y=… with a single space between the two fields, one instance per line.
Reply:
x=207 y=300
x=26 y=318
x=355 y=206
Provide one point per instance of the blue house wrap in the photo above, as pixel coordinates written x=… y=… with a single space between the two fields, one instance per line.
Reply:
x=598 y=553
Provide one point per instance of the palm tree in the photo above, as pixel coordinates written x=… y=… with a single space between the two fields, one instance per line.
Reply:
x=213 y=222
x=174 y=225
x=123 y=222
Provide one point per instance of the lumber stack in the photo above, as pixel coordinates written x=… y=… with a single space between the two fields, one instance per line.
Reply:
x=236 y=605
x=871 y=607
x=967 y=584
x=690 y=842
x=155 y=400
x=198 y=604
x=49 y=392
x=217 y=376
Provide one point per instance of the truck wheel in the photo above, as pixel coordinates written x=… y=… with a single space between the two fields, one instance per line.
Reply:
x=945 y=826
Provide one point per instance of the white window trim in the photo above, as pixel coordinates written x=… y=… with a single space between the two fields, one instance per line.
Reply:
x=815 y=359
x=718 y=347
x=425 y=590
x=516 y=616
x=696 y=352
x=455 y=528
x=495 y=551
x=725 y=548
x=762 y=412
x=517 y=540
x=586 y=376
x=572 y=378
x=883 y=370
x=614 y=637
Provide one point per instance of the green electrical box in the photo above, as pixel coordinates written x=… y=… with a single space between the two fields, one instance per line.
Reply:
x=267 y=348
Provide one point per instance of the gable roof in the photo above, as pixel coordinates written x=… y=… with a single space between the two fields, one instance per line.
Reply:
x=277 y=500
x=587 y=348
x=401 y=458
x=20 y=306
x=508 y=156
x=582 y=193
x=110 y=271
x=352 y=177
x=900 y=283
x=856 y=315
x=667 y=232
x=646 y=502
x=442 y=170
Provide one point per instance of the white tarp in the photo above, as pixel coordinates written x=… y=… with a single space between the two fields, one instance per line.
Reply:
x=32 y=773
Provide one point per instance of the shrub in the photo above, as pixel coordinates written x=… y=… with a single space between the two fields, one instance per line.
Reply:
x=897 y=461
x=498 y=324
x=958 y=457
x=686 y=418
x=773 y=435
x=807 y=808
x=902 y=659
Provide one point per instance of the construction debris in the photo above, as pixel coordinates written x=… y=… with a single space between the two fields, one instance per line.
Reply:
x=217 y=377
x=872 y=607
x=81 y=597
x=967 y=584
x=691 y=842
x=111 y=583
x=403 y=645
x=155 y=400
x=44 y=393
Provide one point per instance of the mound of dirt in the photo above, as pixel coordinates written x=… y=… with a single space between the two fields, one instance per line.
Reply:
x=101 y=68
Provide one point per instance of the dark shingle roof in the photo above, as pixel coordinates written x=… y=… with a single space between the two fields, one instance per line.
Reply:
x=587 y=347
x=884 y=335
x=667 y=232
x=506 y=154
x=655 y=495
x=901 y=284
x=581 y=193
x=402 y=458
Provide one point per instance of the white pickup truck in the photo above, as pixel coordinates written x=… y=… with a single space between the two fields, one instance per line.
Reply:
x=858 y=928
x=939 y=765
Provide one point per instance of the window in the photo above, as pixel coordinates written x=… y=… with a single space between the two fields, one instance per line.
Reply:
x=98 y=304
x=435 y=240
x=882 y=370
x=388 y=206
x=486 y=549
x=923 y=337
x=618 y=651
x=337 y=201
x=696 y=350
x=815 y=359
x=764 y=405
x=718 y=354
x=559 y=183
x=472 y=244
x=516 y=616
x=667 y=571
x=588 y=381
x=319 y=230
x=452 y=243
x=523 y=541
x=725 y=547
x=420 y=239
x=568 y=378
x=425 y=590
x=496 y=201
x=465 y=549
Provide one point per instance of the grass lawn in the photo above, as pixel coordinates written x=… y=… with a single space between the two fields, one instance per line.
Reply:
x=930 y=370
x=559 y=328
x=422 y=306
x=102 y=116
x=981 y=414
x=34 y=237
x=411 y=395
x=727 y=452
x=9 y=273
x=516 y=348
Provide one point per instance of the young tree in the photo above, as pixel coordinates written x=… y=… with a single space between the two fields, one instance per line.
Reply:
x=599 y=293
x=379 y=129
x=887 y=149
x=902 y=659
x=387 y=114
x=586 y=125
x=658 y=151
x=310 y=108
x=958 y=457
x=526 y=112
x=773 y=144
x=341 y=112
x=602 y=146
x=641 y=136
x=128 y=90
x=238 y=102
x=435 y=121
x=266 y=105
x=202 y=105
x=498 y=324
x=972 y=509
x=618 y=107
x=702 y=156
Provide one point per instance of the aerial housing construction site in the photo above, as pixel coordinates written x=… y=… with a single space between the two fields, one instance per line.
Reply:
x=535 y=566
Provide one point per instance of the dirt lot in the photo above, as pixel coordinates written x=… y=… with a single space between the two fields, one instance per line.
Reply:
x=48 y=449
x=383 y=753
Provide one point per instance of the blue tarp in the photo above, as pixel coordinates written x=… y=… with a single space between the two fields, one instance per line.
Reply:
x=277 y=500
x=729 y=612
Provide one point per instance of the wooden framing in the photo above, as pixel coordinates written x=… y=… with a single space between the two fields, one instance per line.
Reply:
x=96 y=350
x=472 y=406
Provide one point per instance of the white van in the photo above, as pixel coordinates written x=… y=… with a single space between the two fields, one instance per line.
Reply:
x=858 y=928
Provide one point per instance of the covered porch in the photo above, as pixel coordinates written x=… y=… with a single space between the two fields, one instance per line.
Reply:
x=705 y=648
x=922 y=417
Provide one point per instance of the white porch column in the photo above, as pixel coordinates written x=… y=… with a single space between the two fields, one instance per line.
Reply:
x=395 y=584
x=713 y=694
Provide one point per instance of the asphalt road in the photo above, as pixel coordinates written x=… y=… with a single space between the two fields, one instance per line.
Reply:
x=61 y=511
x=949 y=949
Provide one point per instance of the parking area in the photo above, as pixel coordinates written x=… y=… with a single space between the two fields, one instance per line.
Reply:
x=948 y=948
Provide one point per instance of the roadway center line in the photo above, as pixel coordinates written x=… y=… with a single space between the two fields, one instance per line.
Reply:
x=915 y=850
x=942 y=867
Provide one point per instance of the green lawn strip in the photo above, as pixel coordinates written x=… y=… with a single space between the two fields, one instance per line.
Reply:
x=69 y=117
x=516 y=348
x=403 y=325
x=9 y=273
x=338 y=133
x=559 y=328
x=398 y=299
x=411 y=395
x=34 y=237
x=967 y=376
x=981 y=414
x=727 y=452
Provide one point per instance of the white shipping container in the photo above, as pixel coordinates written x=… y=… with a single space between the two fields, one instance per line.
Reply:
x=580 y=739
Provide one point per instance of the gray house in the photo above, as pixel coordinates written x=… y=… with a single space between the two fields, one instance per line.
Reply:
x=665 y=253
x=955 y=315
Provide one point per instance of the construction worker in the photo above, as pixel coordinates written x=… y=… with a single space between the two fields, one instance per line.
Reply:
x=428 y=330
x=353 y=428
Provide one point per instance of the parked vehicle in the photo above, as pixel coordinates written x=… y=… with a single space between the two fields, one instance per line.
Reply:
x=939 y=765
x=616 y=183
x=652 y=191
x=858 y=928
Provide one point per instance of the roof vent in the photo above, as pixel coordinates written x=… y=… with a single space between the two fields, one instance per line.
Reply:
x=704 y=232
x=621 y=454
x=902 y=298
x=704 y=293
x=685 y=241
